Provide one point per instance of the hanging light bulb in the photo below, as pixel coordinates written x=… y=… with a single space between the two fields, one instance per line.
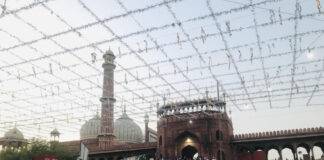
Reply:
x=309 y=54
x=318 y=4
x=93 y=57
x=269 y=89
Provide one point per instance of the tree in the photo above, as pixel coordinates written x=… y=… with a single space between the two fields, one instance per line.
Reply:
x=36 y=148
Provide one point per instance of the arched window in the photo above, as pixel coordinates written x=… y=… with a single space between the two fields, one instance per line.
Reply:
x=219 y=135
x=160 y=141
x=221 y=155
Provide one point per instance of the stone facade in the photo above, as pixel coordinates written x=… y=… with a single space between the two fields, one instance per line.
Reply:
x=202 y=125
x=248 y=145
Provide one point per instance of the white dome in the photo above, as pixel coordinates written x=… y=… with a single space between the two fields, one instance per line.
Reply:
x=126 y=130
x=91 y=128
x=14 y=134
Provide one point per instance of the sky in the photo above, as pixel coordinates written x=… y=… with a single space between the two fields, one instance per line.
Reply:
x=51 y=57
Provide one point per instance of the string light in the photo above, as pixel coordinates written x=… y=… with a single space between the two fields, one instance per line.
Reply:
x=228 y=27
x=251 y=55
x=280 y=16
x=146 y=45
x=203 y=35
x=318 y=4
x=272 y=16
x=93 y=57
x=4 y=7
x=178 y=40
x=310 y=55
x=50 y=68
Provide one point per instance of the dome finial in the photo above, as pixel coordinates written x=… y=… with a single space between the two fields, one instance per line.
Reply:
x=124 y=110
x=91 y=128
x=126 y=130
x=124 y=106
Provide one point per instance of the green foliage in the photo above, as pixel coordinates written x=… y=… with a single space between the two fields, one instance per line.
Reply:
x=142 y=157
x=14 y=154
x=36 y=148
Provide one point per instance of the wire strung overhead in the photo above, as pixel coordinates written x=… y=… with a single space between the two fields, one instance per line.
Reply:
x=262 y=54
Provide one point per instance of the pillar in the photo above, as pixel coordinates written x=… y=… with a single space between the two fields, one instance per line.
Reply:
x=294 y=150
x=280 y=153
x=107 y=100
x=312 y=151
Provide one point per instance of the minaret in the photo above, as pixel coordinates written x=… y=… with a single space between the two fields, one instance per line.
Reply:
x=106 y=136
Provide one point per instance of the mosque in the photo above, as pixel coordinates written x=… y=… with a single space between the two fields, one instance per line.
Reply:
x=125 y=130
x=193 y=129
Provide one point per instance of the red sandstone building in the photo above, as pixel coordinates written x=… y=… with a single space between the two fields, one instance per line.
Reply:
x=194 y=129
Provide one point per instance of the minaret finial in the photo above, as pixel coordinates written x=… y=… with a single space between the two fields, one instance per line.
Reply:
x=146 y=118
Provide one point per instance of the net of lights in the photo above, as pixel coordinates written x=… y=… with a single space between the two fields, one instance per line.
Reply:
x=263 y=54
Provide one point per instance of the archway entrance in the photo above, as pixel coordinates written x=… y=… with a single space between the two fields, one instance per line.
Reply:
x=189 y=152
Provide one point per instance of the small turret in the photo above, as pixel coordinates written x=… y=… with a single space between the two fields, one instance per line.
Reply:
x=55 y=135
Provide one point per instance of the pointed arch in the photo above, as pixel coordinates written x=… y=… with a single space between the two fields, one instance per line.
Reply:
x=186 y=134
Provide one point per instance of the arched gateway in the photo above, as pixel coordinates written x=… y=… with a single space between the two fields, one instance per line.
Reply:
x=189 y=128
x=189 y=152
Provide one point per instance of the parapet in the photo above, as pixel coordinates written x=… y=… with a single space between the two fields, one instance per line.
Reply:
x=280 y=133
x=191 y=106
